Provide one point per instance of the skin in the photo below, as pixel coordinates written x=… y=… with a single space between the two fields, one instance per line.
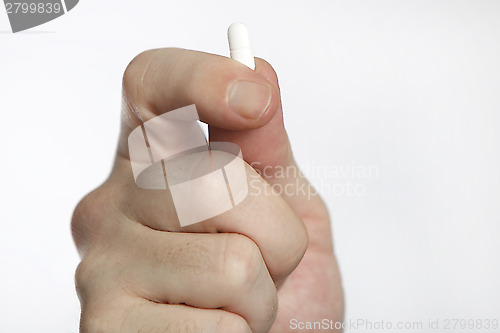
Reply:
x=250 y=269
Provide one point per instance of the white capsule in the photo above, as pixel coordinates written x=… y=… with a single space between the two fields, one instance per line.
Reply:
x=239 y=44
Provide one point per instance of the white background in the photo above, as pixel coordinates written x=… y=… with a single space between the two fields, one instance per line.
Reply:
x=410 y=88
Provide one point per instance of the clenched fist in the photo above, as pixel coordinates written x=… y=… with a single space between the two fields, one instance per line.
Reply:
x=253 y=268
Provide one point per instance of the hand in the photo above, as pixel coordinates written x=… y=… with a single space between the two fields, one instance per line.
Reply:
x=142 y=272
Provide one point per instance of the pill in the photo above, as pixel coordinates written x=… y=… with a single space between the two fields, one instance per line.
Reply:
x=239 y=44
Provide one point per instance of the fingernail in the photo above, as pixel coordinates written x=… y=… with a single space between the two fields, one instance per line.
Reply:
x=249 y=99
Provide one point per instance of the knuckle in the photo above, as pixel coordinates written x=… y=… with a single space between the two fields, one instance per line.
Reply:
x=242 y=262
x=81 y=276
x=272 y=307
x=88 y=217
x=301 y=245
x=293 y=256
x=141 y=70
x=86 y=274
x=293 y=250
x=136 y=67
x=101 y=273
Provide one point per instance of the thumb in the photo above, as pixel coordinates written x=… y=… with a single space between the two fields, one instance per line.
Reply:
x=267 y=149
